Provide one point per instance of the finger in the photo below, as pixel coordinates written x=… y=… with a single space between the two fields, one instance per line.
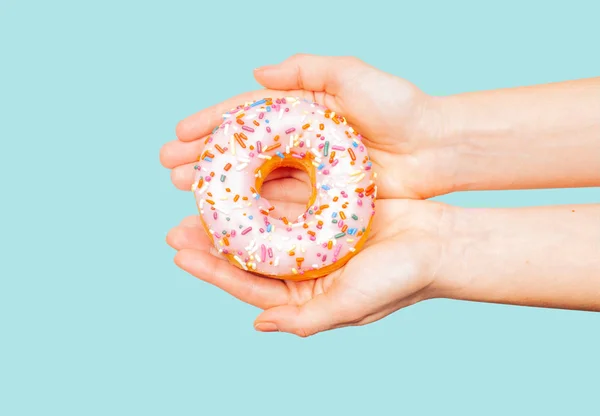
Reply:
x=324 y=312
x=191 y=221
x=177 y=153
x=259 y=291
x=202 y=123
x=183 y=176
x=310 y=72
x=182 y=237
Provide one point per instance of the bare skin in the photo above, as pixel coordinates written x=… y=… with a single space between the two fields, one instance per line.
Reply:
x=423 y=146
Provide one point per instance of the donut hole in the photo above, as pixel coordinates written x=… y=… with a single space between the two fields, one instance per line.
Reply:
x=289 y=190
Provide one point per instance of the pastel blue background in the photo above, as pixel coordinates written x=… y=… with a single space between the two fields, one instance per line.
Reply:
x=95 y=319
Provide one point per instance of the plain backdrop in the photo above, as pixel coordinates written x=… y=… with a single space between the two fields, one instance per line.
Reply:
x=95 y=319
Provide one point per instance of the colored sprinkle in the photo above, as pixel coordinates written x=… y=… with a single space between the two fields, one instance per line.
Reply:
x=280 y=154
x=304 y=127
x=219 y=148
x=340 y=235
x=326 y=150
x=273 y=146
x=227 y=167
x=342 y=215
x=290 y=130
x=208 y=159
x=258 y=103
x=340 y=148
x=250 y=129
x=246 y=231
x=222 y=178
x=354 y=217
x=352 y=155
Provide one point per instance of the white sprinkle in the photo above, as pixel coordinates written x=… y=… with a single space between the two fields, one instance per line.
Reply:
x=236 y=257
x=298 y=224
x=357 y=178
x=263 y=156
x=240 y=167
x=276 y=262
x=287 y=150
x=356 y=172
x=232 y=145
x=280 y=113
x=352 y=249
x=315 y=266
x=243 y=159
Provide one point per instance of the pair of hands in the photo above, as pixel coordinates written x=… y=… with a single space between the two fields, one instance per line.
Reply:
x=400 y=262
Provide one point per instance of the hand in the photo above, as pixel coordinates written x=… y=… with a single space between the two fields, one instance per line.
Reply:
x=398 y=267
x=400 y=124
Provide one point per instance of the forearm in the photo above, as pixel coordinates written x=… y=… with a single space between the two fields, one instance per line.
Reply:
x=545 y=136
x=548 y=257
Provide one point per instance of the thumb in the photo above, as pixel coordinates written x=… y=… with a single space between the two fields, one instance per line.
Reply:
x=310 y=73
x=324 y=312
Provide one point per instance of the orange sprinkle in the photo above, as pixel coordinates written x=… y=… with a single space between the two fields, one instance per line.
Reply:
x=311 y=233
x=321 y=126
x=240 y=121
x=276 y=138
x=329 y=244
x=206 y=140
x=331 y=156
x=244 y=198
x=210 y=201
x=335 y=120
x=352 y=155
x=212 y=174
x=209 y=154
x=200 y=182
x=240 y=115
x=305 y=225
x=323 y=207
x=305 y=126
x=228 y=190
x=209 y=194
x=335 y=198
x=227 y=167
x=256 y=123
x=273 y=146
x=359 y=190
x=226 y=241
x=344 y=228
x=292 y=253
x=240 y=141
x=243 y=136
x=219 y=148
x=285 y=220
x=262 y=211
x=342 y=215
x=235 y=198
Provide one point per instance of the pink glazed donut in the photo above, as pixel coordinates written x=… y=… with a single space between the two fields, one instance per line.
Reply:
x=259 y=137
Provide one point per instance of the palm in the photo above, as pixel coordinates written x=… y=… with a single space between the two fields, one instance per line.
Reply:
x=397 y=263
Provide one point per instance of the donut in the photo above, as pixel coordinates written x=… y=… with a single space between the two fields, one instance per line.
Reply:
x=253 y=140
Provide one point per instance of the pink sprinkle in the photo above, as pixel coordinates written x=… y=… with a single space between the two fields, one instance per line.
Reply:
x=337 y=250
x=367 y=167
x=288 y=229
x=250 y=129
x=278 y=101
x=361 y=148
x=240 y=253
x=324 y=245
x=215 y=215
x=207 y=178
x=251 y=154
x=321 y=145
x=340 y=224
x=361 y=194
x=296 y=156
x=324 y=257
x=247 y=230
x=287 y=110
x=263 y=253
x=335 y=162
x=359 y=202
x=326 y=172
x=313 y=238
x=338 y=148
x=283 y=101
x=301 y=143
x=290 y=130
x=216 y=234
x=344 y=194
x=270 y=251
x=233 y=233
x=259 y=146
x=262 y=230
x=225 y=251
x=299 y=237
x=318 y=254
x=261 y=116
x=210 y=139
x=268 y=129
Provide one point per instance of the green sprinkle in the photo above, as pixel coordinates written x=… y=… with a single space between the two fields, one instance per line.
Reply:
x=334 y=221
x=222 y=178
x=326 y=150
x=224 y=232
x=355 y=217
x=227 y=218
x=310 y=211
x=340 y=235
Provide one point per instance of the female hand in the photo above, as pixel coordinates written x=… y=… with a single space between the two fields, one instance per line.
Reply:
x=397 y=267
x=400 y=124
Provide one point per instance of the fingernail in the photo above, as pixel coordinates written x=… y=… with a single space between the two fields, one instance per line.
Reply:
x=214 y=252
x=266 y=327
